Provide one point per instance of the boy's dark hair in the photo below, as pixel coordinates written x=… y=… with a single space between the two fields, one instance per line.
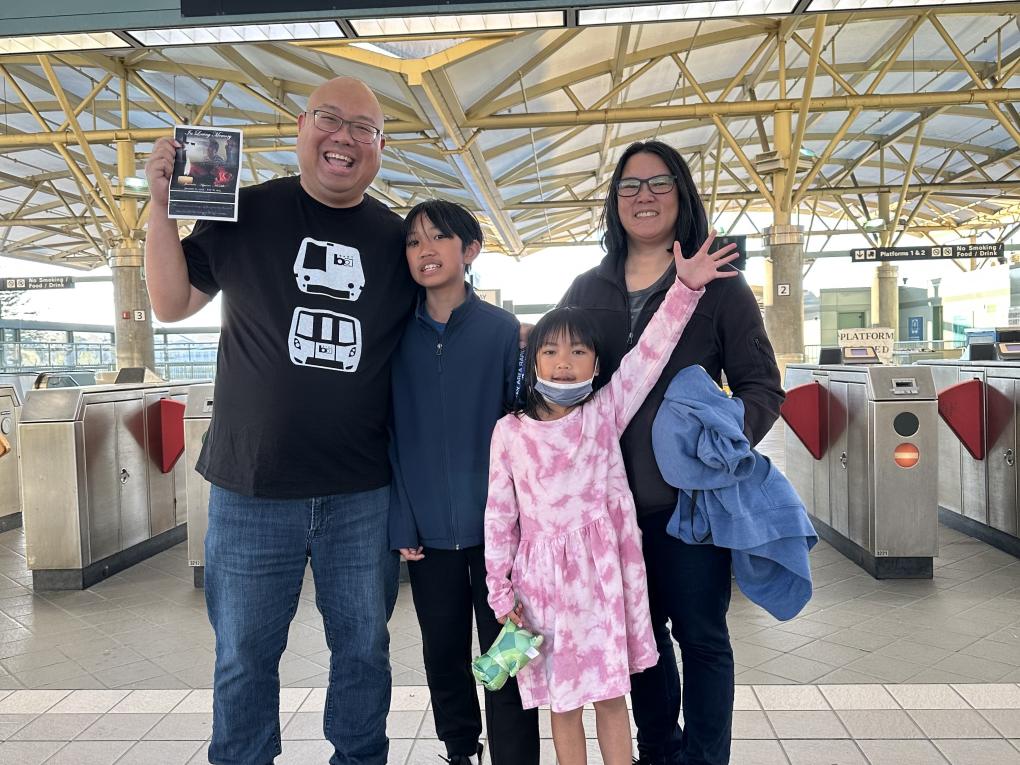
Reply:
x=691 y=223
x=578 y=325
x=449 y=217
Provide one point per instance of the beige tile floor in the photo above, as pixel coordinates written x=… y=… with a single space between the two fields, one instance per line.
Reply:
x=897 y=672
x=964 y=724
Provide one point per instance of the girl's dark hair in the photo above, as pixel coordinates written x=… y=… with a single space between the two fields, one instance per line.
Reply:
x=578 y=325
x=691 y=223
x=449 y=217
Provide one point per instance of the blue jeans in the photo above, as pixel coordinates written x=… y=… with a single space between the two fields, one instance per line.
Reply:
x=690 y=586
x=256 y=552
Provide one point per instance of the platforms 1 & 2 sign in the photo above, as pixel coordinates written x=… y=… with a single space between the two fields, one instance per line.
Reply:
x=876 y=254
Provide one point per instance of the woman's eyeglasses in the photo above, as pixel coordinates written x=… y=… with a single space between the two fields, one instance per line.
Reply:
x=657 y=184
x=360 y=131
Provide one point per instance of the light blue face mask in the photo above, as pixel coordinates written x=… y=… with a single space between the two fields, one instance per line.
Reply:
x=564 y=394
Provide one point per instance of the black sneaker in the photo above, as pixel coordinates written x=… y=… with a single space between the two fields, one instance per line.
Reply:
x=465 y=759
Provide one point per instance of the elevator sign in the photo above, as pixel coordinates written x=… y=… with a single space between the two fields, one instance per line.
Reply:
x=23 y=283
x=876 y=254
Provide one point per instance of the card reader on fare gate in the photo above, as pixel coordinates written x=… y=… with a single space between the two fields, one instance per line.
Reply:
x=1009 y=351
x=904 y=386
x=862 y=354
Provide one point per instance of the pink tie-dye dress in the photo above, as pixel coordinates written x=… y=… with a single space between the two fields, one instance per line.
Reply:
x=561 y=533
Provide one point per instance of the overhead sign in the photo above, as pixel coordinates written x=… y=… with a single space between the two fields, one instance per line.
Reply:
x=873 y=254
x=22 y=283
x=879 y=338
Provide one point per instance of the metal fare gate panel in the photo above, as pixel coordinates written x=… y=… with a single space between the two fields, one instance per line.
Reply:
x=872 y=483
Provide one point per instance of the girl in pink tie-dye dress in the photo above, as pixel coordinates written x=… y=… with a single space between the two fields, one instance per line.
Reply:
x=562 y=544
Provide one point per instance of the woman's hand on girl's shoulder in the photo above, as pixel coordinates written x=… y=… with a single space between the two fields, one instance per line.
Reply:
x=702 y=267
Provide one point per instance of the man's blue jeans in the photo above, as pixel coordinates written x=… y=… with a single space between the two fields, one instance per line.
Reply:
x=256 y=552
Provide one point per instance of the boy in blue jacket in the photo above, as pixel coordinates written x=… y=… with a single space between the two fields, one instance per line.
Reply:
x=454 y=376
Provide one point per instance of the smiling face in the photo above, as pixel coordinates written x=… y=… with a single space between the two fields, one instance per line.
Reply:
x=437 y=259
x=335 y=169
x=647 y=218
x=564 y=360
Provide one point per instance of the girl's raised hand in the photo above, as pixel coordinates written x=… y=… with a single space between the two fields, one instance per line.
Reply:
x=697 y=271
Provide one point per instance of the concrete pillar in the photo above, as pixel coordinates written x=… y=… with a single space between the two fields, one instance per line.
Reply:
x=133 y=318
x=936 y=311
x=888 y=298
x=784 y=312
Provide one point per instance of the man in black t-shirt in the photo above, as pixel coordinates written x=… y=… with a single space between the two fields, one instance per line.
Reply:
x=316 y=292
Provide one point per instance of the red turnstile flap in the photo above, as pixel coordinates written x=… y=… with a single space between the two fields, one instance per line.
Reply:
x=171 y=428
x=806 y=412
x=962 y=406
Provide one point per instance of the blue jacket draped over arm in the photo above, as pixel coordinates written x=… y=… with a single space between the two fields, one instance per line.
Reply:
x=732 y=496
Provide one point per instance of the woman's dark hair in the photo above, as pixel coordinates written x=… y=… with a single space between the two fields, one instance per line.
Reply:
x=691 y=223
x=449 y=217
x=578 y=325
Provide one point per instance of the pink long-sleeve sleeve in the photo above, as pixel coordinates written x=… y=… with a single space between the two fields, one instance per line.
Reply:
x=641 y=366
x=502 y=531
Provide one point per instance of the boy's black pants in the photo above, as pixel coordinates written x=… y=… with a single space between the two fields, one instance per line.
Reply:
x=447 y=586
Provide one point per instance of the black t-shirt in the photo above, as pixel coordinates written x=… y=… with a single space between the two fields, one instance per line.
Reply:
x=315 y=300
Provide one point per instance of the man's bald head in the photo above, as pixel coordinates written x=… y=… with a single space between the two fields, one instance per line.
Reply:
x=336 y=169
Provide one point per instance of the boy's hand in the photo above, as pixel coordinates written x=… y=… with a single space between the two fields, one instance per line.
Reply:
x=515 y=616
x=697 y=271
x=412 y=553
x=159 y=168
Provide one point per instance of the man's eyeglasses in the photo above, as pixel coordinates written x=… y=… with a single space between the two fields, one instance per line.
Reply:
x=361 y=132
x=657 y=184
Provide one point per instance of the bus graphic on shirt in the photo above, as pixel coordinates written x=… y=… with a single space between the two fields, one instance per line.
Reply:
x=325 y=339
x=326 y=268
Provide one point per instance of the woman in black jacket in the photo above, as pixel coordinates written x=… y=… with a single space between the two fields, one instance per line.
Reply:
x=652 y=201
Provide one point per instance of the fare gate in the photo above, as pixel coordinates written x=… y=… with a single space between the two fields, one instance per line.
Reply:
x=102 y=483
x=978 y=482
x=197 y=417
x=10 y=478
x=862 y=451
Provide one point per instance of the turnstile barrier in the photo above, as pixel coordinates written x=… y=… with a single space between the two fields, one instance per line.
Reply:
x=977 y=485
x=872 y=484
x=95 y=495
x=197 y=417
x=10 y=478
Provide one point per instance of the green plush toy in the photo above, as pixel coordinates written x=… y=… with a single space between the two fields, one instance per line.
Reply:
x=513 y=648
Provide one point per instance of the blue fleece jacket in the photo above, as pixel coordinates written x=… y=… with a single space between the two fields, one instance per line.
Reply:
x=740 y=500
x=449 y=390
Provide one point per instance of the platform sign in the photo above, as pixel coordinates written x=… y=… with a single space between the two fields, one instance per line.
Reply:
x=878 y=254
x=879 y=338
x=915 y=328
x=25 y=283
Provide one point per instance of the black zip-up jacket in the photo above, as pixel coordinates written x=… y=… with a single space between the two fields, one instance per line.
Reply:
x=725 y=334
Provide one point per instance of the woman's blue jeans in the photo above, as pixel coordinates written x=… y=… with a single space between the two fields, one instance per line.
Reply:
x=256 y=553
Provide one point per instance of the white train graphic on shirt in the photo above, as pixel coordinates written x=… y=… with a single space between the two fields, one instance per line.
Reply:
x=325 y=339
x=321 y=338
x=330 y=269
